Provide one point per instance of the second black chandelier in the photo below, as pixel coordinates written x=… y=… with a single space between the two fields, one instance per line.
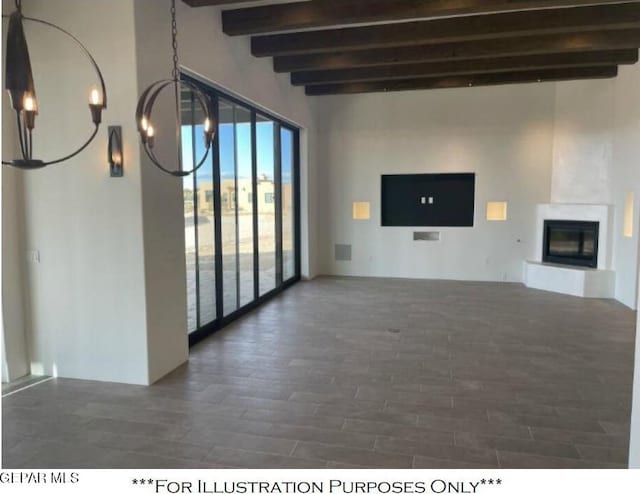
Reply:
x=144 y=111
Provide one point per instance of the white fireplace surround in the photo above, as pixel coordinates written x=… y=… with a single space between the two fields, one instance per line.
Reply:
x=601 y=213
x=577 y=281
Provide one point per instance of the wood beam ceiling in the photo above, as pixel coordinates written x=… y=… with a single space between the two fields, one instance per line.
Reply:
x=464 y=81
x=327 y=13
x=469 y=28
x=208 y=3
x=466 y=67
x=526 y=45
x=353 y=46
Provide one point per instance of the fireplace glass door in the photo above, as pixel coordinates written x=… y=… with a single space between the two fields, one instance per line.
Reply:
x=571 y=242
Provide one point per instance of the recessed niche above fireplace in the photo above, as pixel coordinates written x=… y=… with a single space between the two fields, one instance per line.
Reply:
x=573 y=243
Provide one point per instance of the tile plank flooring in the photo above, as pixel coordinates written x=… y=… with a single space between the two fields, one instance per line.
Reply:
x=353 y=373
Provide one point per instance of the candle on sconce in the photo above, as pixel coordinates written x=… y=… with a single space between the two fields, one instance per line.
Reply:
x=115 y=152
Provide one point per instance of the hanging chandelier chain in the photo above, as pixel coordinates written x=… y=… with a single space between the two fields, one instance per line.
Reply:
x=19 y=5
x=148 y=98
x=174 y=38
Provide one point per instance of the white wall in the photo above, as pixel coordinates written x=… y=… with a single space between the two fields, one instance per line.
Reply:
x=503 y=134
x=85 y=298
x=13 y=341
x=583 y=142
x=625 y=179
x=595 y=158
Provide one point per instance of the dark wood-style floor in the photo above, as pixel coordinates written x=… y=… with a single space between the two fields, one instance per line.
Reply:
x=361 y=373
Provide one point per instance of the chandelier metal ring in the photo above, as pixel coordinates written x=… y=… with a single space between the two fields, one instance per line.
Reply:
x=148 y=99
x=144 y=112
x=19 y=82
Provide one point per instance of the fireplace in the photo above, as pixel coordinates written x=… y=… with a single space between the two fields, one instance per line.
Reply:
x=573 y=243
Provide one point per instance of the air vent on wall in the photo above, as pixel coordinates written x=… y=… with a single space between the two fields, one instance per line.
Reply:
x=428 y=236
x=342 y=252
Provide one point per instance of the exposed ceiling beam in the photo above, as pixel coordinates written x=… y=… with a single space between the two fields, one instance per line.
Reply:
x=524 y=45
x=464 y=81
x=469 y=28
x=456 y=67
x=207 y=3
x=325 y=13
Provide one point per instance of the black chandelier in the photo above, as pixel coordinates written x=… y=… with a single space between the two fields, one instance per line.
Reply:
x=148 y=98
x=21 y=88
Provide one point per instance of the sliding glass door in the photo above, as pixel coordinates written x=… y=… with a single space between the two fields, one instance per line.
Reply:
x=236 y=174
x=199 y=218
x=241 y=212
x=288 y=152
x=266 y=157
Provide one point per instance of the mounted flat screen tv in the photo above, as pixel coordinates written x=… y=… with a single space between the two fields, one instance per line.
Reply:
x=438 y=199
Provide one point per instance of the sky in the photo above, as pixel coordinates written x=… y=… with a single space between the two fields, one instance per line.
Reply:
x=241 y=153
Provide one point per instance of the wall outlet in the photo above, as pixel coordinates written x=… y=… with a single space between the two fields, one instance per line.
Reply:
x=33 y=256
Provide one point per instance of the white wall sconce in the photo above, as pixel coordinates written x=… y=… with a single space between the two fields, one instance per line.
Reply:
x=361 y=211
x=629 y=206
x=496 y=211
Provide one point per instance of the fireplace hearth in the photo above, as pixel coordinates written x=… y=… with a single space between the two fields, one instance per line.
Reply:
x=573 y=243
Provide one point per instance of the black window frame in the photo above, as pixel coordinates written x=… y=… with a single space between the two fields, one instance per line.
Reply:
x=215 y=94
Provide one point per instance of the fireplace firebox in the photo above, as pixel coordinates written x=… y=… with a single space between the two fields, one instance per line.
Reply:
x=574 y=243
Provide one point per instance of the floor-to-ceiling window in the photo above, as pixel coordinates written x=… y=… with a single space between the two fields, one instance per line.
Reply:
x=266 y=156
x=228 y=210
x=288 y=151
x=241 y=211
x=244 y=193
x=198 y=192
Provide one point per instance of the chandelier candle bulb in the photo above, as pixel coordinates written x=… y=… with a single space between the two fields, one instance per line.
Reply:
x=29 y=103
x=95 y=98
x=30 y=112
x=151 y=135
x=208 y=132
x=143 y=127
x=96 y=106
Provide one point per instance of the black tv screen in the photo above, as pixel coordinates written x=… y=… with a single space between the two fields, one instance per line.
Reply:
x=435 y=199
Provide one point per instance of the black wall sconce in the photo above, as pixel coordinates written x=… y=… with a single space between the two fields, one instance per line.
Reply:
x=115 y=151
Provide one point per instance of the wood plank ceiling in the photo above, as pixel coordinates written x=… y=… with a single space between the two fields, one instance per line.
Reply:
x=359 y=46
